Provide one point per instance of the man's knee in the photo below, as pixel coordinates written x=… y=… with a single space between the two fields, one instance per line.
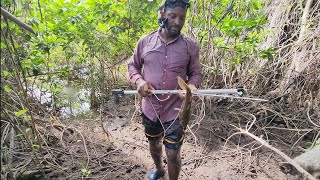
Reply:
x=155 y=144
x=173 y=155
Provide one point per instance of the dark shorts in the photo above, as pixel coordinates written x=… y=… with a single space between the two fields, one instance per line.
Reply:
x=174 y=134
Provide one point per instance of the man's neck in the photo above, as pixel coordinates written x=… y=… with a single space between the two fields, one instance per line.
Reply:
x=165 y=35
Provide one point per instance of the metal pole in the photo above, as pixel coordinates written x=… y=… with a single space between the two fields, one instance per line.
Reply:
x=199 y=91
x=226 y=93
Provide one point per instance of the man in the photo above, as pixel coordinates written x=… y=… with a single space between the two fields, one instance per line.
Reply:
x=158 y=60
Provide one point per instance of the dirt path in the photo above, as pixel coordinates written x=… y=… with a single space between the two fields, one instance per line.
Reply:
x=209 y=159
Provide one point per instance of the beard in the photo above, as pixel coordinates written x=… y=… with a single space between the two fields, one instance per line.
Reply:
x=174 y=31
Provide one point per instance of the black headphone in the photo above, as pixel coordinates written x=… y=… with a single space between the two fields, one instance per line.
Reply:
x=162 y=22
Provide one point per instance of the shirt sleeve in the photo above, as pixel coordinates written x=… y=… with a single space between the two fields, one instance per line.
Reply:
x=135 y=63
x=194 y=68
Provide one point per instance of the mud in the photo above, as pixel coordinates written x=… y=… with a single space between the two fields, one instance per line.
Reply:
x=123 y=152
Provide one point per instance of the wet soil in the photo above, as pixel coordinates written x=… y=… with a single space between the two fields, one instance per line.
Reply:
x=123 y=152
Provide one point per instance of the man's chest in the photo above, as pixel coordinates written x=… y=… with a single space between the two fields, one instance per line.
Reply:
x=171 y=57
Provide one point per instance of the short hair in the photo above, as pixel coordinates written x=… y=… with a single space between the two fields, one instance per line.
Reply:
x=173 y=4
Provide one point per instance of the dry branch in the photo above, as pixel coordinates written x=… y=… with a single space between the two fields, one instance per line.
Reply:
x=20 y=23
x=304 y=20
x=263 y=142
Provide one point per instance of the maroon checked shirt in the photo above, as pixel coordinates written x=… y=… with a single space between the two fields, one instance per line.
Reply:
x=160 y=64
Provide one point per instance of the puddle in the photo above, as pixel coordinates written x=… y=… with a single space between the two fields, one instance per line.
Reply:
x=70 y=100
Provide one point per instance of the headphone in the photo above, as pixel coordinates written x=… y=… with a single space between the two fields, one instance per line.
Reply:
x=162 y=22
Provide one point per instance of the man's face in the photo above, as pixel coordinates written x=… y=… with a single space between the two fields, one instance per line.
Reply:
x=176 y=18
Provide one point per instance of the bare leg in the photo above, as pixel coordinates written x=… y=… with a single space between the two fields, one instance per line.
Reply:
x=174 y=163
x=156 y=154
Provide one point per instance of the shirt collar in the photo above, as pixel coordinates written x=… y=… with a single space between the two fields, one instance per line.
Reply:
x=162 y=40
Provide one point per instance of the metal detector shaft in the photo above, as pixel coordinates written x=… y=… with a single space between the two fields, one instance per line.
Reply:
x=238 y=90
x=199 y=91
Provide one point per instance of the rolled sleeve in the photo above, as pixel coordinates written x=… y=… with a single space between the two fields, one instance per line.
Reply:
x=194 y=68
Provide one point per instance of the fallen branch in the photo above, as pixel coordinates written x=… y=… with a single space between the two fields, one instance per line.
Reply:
x=292 y=162
x=31 y=174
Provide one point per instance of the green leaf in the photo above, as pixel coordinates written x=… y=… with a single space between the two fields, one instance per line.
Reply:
x=2 y=45
x=64 y=9
x=85 y=171
x=35 y=72
x=18 y=135
x=27 y=118
x=123 y=67
x=28 y=129
x=35 y=146
x=7 y=89
x=20 y=113
x=35 y=21
x=26 y=63
x=51 y=64
x=101 y=27
x=65 y=70
x=37 y=61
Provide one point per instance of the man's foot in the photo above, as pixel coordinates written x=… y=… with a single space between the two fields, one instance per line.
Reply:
x=154 y=175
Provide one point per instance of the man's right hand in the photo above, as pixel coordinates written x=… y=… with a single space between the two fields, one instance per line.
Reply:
x=144 y=88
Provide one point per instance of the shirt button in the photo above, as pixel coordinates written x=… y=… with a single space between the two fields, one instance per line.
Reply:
x=163 y=82
x=164 y=70
x=166 y=57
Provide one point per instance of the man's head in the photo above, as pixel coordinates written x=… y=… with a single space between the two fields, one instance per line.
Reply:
x=174 y=16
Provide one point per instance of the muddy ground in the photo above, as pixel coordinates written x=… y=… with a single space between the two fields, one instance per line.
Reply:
x=123 y=154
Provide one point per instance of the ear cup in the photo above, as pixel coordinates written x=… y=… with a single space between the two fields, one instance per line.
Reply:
x=162 y=22
x=160 y=17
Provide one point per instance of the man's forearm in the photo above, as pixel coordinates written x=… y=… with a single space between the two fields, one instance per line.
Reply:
x=134 y=72
x=195 y=80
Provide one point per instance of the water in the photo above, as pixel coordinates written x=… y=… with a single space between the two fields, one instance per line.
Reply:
x=70 y=101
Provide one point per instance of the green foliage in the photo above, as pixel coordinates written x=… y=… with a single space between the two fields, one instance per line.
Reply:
x=94 y=35
x=235 y=28
x=75 y=34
